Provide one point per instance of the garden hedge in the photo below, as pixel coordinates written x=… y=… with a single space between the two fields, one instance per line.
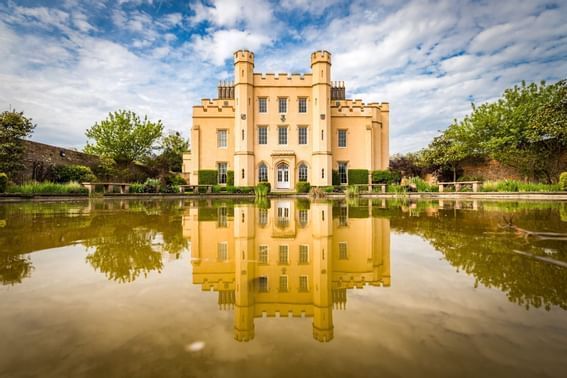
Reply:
x=357 y=176
x=208 y=177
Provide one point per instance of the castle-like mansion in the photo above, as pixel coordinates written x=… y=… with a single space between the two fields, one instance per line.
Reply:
x=284 y=129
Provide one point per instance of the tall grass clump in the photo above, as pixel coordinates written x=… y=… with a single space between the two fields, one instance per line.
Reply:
x=563 y=181
x=423 y=186
x=48 y=188
x=353 y=191
x=262 y=189
x=515 y=186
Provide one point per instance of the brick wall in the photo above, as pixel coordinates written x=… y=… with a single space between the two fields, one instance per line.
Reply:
x=38 y=157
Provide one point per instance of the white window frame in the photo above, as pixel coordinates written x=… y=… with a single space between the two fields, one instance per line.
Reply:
x=281 y=249
x=263 y=249
x=302 y=173
x=222 y=174
x=283 y=280
x=280 y=135
x=301 y=129
x=344 y=133
x=282 y=105
x=222 y=138
x=303 y=252
x=345 y=165
x=302 y=101
x=222 y=251
x=304 y=279
x=262 y=139
x=343 y=250
x=262 y=104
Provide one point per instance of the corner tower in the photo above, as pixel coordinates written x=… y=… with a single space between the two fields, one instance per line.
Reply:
x=321 y=94
x=244 y=118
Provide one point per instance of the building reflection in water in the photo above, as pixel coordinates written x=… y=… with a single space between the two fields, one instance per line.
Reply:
x=289 y=259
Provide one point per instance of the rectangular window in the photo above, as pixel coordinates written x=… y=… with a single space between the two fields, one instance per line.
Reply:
x=303 y=283
x=222 y=140
x=283 y=254
x=262 y=105
x=222 y=251
x=282 y=135
x=263 y=217
x=263 y=284
x=302 y=133
x=304 y=254
x=343 y=254
x=262 y=135
x=343 y=216
x=343 y=177
x=303 y=217
x=222 y=213
x=263 y=254
x=342 y=138
x=282 y=104
x=222 y=173
x=283 y=283
x=302 y=105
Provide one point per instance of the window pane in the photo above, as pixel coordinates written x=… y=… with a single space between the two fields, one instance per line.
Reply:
x=282 y=135
x=263 y=105
x=343 y=178
x=222 y=173
x=303 y=283
x=262 y=135
x=302 y=135
x=343 y=251
x=303 y=254
x=262 y=173
x=263 y=284
x=282 y=105
x=222 y=251
x=283 y=283
x=283 y=255
x=303 y=105
x=302 y=172
x=221 y=138
x=342 y=138
x=263 y=254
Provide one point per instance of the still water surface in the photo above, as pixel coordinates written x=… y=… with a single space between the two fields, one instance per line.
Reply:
x=119 y=288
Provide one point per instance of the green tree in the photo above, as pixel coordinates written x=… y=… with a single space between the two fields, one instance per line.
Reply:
x=14 y=126
x=171 y=158
x=124 y=137
x=447 y=150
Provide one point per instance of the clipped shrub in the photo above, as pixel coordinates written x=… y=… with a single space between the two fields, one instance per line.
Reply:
x=302 y=187
x=152 y=186
x=68 y=173
x=336 y=180
x=357 y=176
x=3 y=182
x=136 y=188
x=230 y=178
x=563 y=181
x=386 y=177
x=208 y=176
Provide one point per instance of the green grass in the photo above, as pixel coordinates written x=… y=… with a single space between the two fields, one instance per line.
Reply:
x=47 y=188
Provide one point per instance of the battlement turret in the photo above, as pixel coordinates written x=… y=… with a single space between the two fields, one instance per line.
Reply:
x=320 y=56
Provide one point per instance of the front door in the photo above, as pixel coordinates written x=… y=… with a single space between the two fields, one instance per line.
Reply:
x=282 y=176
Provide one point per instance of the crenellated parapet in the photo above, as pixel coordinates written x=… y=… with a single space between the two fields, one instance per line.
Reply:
x=214 y=108
x=282 y=80
x=320 y=56
x=356 y=107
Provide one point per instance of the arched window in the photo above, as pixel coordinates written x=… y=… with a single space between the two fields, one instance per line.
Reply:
x=262 y=173
x=302 y=172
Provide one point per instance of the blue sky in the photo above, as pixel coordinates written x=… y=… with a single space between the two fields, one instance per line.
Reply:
x=68 y=63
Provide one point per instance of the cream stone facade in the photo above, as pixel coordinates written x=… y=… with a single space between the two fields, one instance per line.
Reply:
x=284 y=128
x=283 y=260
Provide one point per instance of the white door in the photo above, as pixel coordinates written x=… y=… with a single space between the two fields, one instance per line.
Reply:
x=282 y=176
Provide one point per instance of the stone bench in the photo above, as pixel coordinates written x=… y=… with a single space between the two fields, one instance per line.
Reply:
x=107 y=186
x=458 y=184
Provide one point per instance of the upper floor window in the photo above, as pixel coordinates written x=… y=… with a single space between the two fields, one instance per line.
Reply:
x=302 y=134
x=303 y=254
x=282 y=104
x=283 y=254
x=222 y=251
x=262 y=135
x=263 y=254
x=342 y=138
x=263 y=284
x=222 y=172
x=343 y=252
x=222 y=140
x=262 y=105
x=282 y=135
x=303 y=286
x=302 y=105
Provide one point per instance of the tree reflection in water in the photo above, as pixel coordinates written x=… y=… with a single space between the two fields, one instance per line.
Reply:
x=14 y=268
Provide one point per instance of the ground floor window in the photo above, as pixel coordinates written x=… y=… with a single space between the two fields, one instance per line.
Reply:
x=262 y=173
x=222 y=172
x=343 y=177
x=302 y=172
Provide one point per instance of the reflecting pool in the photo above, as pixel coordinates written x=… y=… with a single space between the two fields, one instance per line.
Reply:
x=283 y=287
